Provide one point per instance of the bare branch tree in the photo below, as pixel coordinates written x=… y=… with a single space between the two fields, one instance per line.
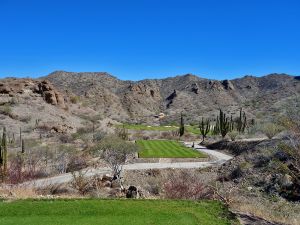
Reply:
x=115 y=151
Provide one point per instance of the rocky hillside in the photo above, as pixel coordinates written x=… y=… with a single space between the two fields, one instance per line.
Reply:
x=33 y=106
x=64 y=101
x=140 y=101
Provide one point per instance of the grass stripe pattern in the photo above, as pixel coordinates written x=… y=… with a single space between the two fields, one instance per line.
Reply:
x=166 y=149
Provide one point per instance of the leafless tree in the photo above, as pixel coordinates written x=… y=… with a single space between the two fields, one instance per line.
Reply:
x=115 y=151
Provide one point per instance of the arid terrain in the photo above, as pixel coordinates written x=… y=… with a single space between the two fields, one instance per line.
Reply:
x=58 y=130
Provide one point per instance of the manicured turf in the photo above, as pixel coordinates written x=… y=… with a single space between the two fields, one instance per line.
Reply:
x=112 y=212
x=190 y=129
x=145 y=127
x=166 y=149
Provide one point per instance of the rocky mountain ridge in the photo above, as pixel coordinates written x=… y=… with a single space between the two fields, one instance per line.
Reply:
x=67 y=97
x=139 y=101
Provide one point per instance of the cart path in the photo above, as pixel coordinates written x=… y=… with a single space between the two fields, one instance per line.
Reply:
x=218 y=159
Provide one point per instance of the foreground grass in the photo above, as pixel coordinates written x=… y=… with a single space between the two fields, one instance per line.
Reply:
x=166 y=149
x=112 y=212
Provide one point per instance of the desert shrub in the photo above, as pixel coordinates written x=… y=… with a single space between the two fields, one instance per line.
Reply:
x=65 y=138
x=76 y=163
x=52 y=189
x=122 y=133
x=74 y=99
x=15 y=170
x=153 y=172
x=6 y=110
x=233 y=134
x=261 y=161
x=25 y=119
x=115 y=151
x=146 y=137
x=236 y=173
x=44 y=127
x=99 y=135
x=188 y=136
x=13 y=101
x=185 y=185
x=271 y=129
x=165 y=135
x=85 y=130
x=81 y=183
x=75 y=136
x=153 y=186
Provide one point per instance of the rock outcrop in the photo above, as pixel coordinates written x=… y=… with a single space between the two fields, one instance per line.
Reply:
x=50 y=94
x=13 y=87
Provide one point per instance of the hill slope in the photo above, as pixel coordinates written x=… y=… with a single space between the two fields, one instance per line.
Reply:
x=140 y=101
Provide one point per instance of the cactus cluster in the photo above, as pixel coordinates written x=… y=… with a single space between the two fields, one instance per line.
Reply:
x=241 y=122
x=225 y=124
x=204 y=128
x=3 y=155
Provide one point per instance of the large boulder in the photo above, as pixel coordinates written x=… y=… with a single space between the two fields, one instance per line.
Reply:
x=131 y=192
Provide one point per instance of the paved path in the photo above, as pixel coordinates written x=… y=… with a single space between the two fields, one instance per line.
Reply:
x=218 y=159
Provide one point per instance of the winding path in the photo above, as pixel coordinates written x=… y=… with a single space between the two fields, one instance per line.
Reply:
x=218 y=159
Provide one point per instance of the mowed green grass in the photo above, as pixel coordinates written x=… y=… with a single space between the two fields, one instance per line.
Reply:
x=189 y=129
x=113 y=212
x=145 y=127
x=166 y=149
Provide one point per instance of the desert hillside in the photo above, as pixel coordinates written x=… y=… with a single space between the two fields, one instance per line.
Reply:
x=140 y=101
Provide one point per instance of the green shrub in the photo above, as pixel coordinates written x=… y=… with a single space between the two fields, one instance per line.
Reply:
x=74 y=99
x=271 y=129
x=233 y=134
x=6 y=110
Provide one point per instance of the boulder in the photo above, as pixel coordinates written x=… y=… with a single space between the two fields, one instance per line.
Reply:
x=286 y=181
x=227 y=85
x=195 y=88
x=131 y=192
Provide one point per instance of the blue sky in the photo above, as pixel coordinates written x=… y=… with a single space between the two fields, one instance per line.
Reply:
x=150 y=39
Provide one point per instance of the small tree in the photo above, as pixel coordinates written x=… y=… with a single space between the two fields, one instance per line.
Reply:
x=115 y=152
x=204 y=128
x=181 y=127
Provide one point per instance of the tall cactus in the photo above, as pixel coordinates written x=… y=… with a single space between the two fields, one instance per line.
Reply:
x=204 y=128
x=216 y=129
x=23 y=146
x=4 y=155
x=181 y=128
x=224 y=124
x=231 y=124
x=20 y=137
x=241 y=122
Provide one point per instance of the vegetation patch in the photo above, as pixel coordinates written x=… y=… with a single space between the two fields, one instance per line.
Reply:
x=73 y=212
x=148 y=127
x=166 y=149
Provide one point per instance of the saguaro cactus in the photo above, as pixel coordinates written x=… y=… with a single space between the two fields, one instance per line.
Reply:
x=224 y=124
x=3 y=158
x=181 y=128
x=241 y=122
x=204 y=128
x=23 y=146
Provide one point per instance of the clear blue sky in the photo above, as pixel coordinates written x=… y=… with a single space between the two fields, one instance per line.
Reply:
x=150 y=38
